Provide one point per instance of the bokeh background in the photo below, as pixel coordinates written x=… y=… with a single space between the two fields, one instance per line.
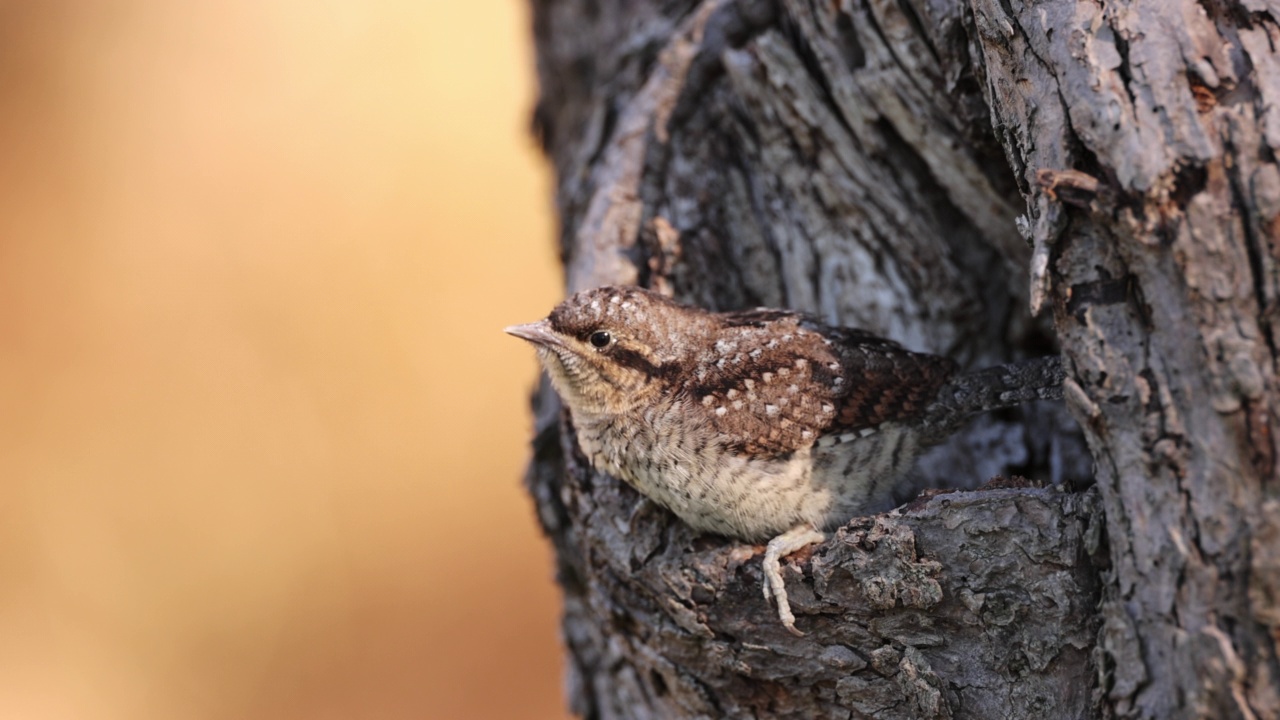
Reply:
x=261 y=437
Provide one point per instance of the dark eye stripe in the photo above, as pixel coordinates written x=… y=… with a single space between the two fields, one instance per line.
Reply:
x=634 y=360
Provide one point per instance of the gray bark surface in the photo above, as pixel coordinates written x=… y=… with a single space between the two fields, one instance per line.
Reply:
x=869 y=161
x=1163 y=284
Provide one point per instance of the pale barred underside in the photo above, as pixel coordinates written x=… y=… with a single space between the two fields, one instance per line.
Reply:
x=753 y=497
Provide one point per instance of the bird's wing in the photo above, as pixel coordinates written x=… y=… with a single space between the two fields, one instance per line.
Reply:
x=777 y=382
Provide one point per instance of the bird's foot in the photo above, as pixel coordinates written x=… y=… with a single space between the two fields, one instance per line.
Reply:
x=778 y=548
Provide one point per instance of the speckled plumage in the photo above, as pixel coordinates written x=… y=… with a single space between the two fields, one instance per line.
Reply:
x=760 y=425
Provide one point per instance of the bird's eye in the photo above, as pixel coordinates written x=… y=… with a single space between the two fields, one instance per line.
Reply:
x=600 y=339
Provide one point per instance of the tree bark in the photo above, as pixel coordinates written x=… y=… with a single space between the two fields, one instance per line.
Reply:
x=927 y=170
x=1164 y=285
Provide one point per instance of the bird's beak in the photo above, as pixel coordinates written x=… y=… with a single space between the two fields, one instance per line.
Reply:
x=538 y=333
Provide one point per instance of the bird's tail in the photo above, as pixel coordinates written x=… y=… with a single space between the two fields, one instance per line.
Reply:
x=993 y=388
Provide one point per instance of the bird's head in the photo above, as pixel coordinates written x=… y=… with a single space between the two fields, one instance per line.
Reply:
x=610 y=349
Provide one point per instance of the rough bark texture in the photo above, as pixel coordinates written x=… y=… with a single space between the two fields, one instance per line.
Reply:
x=868 y=160
x=1164 y=281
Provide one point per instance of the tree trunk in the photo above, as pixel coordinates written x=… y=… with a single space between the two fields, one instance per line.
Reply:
x=884 y=164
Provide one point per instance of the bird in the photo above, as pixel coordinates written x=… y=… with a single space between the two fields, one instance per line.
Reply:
x=764 y=425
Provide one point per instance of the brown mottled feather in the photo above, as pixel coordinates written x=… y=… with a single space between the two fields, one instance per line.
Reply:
x=779 y=381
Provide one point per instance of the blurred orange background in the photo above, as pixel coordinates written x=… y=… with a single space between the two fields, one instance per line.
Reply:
x=261 y=436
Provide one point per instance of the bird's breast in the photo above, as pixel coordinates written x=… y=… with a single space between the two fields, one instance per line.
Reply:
x=668 y=454
x=682 y=464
